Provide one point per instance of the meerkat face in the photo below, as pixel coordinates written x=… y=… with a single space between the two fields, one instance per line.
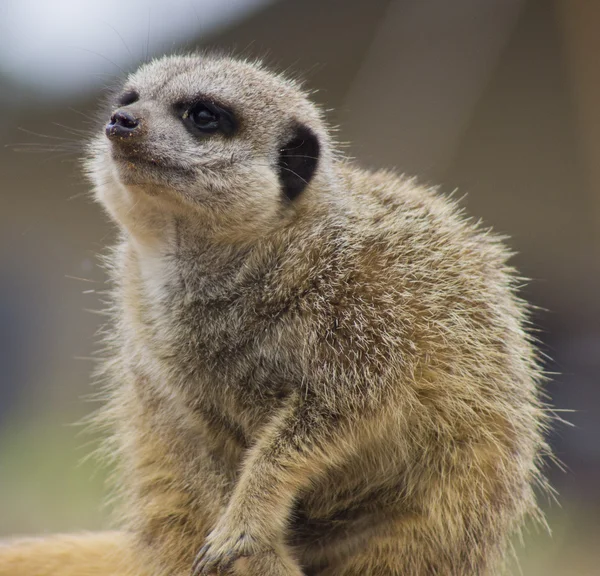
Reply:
x=214 y=139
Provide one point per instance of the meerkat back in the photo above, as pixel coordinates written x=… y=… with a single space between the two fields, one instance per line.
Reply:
x=313 y=369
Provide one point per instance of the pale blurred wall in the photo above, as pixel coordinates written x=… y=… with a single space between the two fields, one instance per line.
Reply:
x=492 y=98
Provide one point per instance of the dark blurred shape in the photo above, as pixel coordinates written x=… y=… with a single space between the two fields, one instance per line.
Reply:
x=12 y=342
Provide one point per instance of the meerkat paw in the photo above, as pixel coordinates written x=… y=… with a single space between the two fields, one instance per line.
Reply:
x=238 y=553
x=272 y=563
x=223 y=548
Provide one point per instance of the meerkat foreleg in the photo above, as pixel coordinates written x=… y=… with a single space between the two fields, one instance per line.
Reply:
x=300 y=442
x=170 y=518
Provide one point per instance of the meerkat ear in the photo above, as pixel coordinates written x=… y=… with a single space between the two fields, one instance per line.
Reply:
x=298 y=160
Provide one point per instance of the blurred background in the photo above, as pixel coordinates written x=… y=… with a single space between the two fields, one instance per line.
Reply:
x=495 y=98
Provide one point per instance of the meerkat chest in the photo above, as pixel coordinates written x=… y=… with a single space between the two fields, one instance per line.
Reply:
x=221 y=349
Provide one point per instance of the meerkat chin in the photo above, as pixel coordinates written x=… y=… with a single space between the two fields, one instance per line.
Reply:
x=314 y=369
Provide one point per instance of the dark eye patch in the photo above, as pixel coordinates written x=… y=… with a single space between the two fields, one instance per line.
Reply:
x=128 y=97
x=204 y=116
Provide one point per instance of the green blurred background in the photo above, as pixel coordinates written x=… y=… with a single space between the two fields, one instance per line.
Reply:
x=495 y=98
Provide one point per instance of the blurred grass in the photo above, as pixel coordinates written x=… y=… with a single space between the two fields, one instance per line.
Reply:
x=573 y=549
x=47 y=485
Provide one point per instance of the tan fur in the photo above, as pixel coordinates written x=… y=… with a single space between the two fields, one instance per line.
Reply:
x=339 y=385
x=102 y=554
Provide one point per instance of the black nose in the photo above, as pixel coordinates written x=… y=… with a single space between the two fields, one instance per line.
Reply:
x=122 y=124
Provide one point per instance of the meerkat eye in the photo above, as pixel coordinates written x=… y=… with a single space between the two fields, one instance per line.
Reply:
x=127 y=98
x=204 y=119
x=207 y=118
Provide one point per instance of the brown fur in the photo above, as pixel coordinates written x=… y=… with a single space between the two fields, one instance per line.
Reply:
x=340 y=385
x=94 y=554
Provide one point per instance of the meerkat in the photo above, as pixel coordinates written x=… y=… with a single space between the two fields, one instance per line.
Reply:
x=314 y=369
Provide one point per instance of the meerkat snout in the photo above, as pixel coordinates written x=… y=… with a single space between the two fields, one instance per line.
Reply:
x=122 y=124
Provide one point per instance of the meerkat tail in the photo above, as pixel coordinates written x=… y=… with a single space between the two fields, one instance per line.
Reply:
x=87 y=554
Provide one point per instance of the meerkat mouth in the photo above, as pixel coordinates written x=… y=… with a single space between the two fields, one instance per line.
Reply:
x=150 y=175
x=147 y=166
x=139 y=160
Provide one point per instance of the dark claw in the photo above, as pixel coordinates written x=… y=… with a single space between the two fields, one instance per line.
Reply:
x=200 y=560
x=204 y=563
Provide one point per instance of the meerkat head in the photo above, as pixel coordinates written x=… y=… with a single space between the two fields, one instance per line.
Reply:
x=219 y=142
